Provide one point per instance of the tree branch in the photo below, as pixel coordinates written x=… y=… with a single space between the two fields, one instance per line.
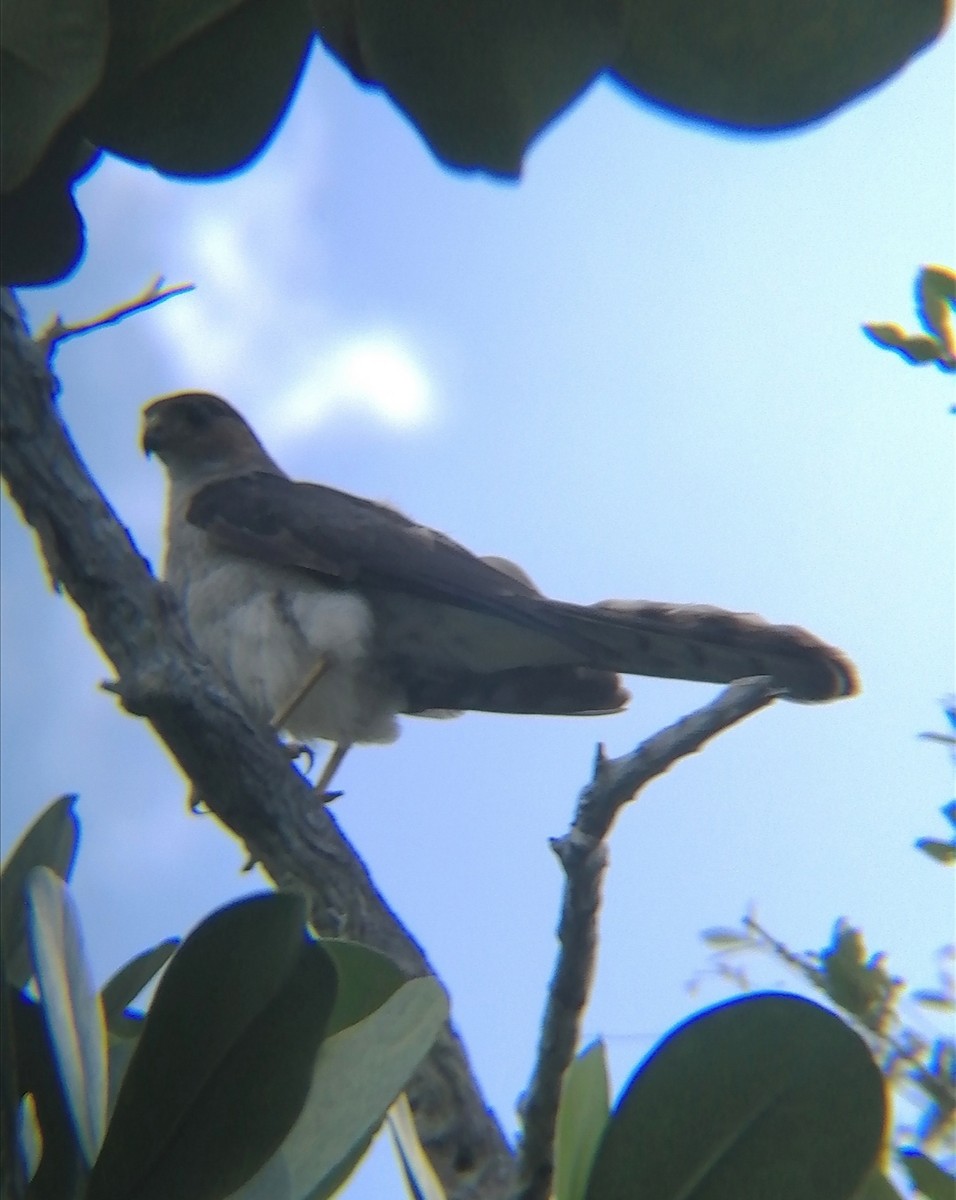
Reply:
x=236 y=764
x=52 y=335
x=583 y=854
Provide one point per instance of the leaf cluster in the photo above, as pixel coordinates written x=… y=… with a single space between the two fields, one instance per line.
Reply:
x=268 y=1059
x=266 y=1063
x=195 y=88
x=935 y=291
x=863 y=990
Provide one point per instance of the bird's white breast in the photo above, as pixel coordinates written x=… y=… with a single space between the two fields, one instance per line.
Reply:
x=266 y=629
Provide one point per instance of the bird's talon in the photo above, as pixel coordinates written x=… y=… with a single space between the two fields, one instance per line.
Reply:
x=297 y=750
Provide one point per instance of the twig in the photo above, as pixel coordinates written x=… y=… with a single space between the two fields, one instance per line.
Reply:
x=583 y=855
x=52 y=335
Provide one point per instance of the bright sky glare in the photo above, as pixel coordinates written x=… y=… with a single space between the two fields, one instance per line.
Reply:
x=374 y=372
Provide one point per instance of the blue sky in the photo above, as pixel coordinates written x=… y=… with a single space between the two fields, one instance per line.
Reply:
x=639 y=373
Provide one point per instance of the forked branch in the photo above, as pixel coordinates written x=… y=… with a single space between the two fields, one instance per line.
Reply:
x=583 y=855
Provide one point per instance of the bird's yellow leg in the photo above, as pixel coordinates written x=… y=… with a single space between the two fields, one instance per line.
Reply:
x=282 y=715
x=285 y=711
x=332 y=765
x=296 y=748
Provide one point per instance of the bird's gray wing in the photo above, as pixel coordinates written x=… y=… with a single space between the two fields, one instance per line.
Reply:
x=470 y=633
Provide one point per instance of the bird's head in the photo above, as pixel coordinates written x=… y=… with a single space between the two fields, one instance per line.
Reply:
x=199 y=437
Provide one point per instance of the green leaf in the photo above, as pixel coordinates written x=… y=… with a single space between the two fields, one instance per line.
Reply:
x=479 y=81
x=421 y=1181
x=914 y=347
x=919 y=348
x=942 y=852
x=52 y=55
x=120 y=1049
x=197 y=88
x=61 y=1170
x=51 y=841
x=582 y=1119
x=71 y=1005
x=42 y=228
x=876 y=1187
x=768 y=66
x=935 y=299
x=767 y=1095
x=14 y=1165
x=358 y=1073
x=893 y=337
x=123 y=988
x=29 y=1135
x=366 y=977
x=928 y=1177
x=223 y=1064
x=860 y=985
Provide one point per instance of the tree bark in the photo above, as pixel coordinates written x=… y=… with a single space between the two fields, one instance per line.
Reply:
x=236 y=764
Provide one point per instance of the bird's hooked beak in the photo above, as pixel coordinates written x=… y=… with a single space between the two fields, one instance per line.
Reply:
x=150 y=439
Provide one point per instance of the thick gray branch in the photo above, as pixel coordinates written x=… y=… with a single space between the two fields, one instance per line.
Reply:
x=236 y=765
x=583 y=854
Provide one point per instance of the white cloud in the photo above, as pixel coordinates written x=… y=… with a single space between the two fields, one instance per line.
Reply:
x=376 y=372
x=259 y=328
x=259 y=301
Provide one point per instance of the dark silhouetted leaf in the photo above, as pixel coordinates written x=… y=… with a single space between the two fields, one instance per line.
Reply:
x=197 y=87
x=765 y=1096
x=198 y=90
x=52 y=55
x=50 y=841
x=366 y=980
x=860 y=985
x=480 y=81
x=120 y=992
x=916 y=348
x=71 y=1005
x=876 y=1187
x=60 y=1172
x=935 y=298
x=943 y=852
x=773 y=65
x=358 y=1073
x=582 y=1118
x=223 y=1064
x=42 y=238
x=928 y=1177
x=120 y=1048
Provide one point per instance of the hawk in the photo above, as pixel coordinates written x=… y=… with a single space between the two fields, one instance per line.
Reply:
x=330 y=614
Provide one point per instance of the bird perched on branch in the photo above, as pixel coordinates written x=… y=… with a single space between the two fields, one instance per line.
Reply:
x=329 y=614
